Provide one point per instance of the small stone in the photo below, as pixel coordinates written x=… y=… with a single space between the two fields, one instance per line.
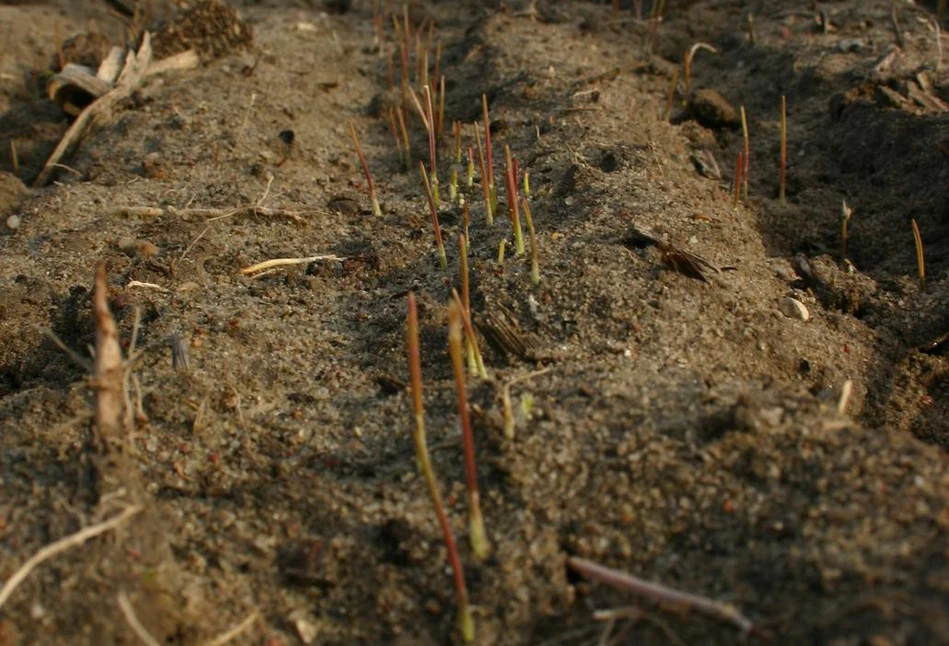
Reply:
x=795 y=309
x=712 y=110
x=13 y=222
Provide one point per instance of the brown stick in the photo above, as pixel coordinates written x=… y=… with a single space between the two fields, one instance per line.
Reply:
x=664 y=595
x=108 y=367
x=101 y=108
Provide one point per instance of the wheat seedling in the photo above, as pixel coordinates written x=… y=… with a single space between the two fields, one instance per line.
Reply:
x=479 y=544
x=535 y=265
x=920 y=257
x=442 y=258
x=485 y=186
x=465 y=620
x=376 y=209
x=747 y=143
x=782 y=191
x=511 y=181
x=845 y=213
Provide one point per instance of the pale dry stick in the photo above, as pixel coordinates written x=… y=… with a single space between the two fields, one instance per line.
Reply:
x=108 y=367
x=845 y=213
x=667 y=596
x=846 y=391
x=180 y=62
x=285 y=262
x=99 y=110
x=688 y=62
x=234 y=632
x=212 y=215
x=920 y=256
x=63 y=544
x=476 y=535
x=465 y=620
x=374 y=199
x=507 y=408
x=132 y=620
x=157 y=288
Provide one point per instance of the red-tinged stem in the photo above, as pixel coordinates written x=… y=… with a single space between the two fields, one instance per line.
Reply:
x=421 y=450
x=511 y=181
x=489 y=157
x=485 y=186
x=376 y=209
x=784 y=150
x=443 y=259
x=477 y=537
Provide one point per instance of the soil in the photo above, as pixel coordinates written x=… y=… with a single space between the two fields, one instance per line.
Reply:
x=687 y=429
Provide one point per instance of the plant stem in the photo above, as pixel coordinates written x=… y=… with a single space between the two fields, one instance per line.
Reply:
x=920 y=256
x=479 y=544
x=376 y=209
x=485 y=186
x=535 y=265
x=782 y=195
x=489 y=157
x=739 y=167
x=465 y=621
x=747 y=163
x=513 y=212
x=443 y=259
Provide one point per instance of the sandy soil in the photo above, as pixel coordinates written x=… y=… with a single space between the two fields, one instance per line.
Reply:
x=686 y=429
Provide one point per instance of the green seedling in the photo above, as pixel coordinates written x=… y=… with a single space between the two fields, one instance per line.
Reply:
x=465 y=299
x=476 y=534
x=845 y=213
x=783 y=169
x=465 y=620
x=475 y=349
x=442 y=258
x=920 y=256
x=535 y=265
x=527 y=183
x=513 y=212
x=747 y=144
x=687 y=64
x=485 y=185
x=465 y=219
x=501 y=247
x=376 y=209
x=453 y=185
x=489 y=157
x=507 y=409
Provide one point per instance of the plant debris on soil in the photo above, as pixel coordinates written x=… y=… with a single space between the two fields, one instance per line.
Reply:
x=738 y=400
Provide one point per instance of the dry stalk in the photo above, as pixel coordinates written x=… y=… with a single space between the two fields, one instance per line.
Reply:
x=63 y=544
x=476 y=535
x=687 y=65
x=101 y=109
x=666 y=596
x=845 y=213
x=465 y=620
x=132 y=620
x=108 y=367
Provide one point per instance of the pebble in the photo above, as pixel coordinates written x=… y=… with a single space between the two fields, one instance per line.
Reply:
x=795 y=309
x=13 y=222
